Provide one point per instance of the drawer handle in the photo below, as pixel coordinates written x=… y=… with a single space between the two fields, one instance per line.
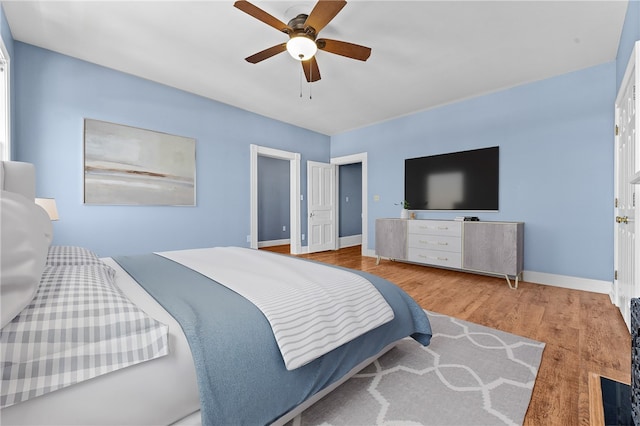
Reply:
x=446 y=259
x=437 y=243
x=442 y=228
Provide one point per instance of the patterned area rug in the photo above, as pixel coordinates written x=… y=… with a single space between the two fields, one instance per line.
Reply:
x=468 y=375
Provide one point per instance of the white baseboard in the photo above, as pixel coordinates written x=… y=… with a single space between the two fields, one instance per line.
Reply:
x=353 y=240
x=350 y=241
x=272 y=243
x=564 y=281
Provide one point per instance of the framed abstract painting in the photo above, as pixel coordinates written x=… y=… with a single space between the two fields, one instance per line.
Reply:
x=126 y=165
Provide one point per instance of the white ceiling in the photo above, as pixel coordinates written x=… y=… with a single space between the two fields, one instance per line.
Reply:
x=424 y=53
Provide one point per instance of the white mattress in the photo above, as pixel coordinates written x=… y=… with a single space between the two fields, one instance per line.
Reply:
x=157 y=392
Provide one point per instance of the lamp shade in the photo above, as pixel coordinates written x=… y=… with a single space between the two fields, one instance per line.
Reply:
x=49 y=205
x=301 y=47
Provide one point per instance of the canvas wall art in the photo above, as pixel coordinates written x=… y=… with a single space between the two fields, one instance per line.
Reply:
x=126 y=165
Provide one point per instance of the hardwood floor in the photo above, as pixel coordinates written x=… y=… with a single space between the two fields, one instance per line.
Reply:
x=584 y=333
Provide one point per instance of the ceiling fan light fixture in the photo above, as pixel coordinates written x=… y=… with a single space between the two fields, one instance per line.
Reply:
x=301 y=47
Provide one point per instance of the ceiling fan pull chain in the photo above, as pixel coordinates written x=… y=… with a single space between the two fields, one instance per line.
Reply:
x=310 y=79
x=301 y=84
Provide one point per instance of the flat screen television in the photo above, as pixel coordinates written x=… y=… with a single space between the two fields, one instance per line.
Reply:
x=466 y=180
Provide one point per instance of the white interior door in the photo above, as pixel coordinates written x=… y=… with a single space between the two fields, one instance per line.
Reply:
x=321 y=202
x=627 y=168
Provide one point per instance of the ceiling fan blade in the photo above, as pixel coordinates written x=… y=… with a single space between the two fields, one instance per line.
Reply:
x=267 y=53
x=323 y=12
x=311 y=70
x=263 y=16
x=350 y=50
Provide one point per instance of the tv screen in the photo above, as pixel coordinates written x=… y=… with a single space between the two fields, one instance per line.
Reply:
x=466 y=180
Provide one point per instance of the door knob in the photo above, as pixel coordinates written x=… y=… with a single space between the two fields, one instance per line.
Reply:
x=622 y=219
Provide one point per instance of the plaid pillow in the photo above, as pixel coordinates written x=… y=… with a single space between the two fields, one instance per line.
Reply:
x=71 y=255
x=78 y=326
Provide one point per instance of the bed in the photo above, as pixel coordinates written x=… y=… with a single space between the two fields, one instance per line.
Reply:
x=205 y=336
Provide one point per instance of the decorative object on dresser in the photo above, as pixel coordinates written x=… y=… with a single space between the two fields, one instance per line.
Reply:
x=404 y=213
x=495 y=248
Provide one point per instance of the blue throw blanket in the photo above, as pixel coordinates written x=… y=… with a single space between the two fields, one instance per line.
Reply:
x=242 y=378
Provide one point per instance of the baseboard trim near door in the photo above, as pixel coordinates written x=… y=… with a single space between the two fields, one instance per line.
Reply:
x=272 y=243
x=350 y=241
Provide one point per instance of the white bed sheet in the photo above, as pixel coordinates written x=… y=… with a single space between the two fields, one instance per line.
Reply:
x=157 y=392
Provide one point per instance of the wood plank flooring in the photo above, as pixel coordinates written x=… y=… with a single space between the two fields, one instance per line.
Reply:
x=584 y=333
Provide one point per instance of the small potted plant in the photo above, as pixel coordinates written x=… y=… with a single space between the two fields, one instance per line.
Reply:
x=404 y=213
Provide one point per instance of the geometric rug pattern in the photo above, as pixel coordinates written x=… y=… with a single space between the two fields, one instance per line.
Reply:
x=468 y=375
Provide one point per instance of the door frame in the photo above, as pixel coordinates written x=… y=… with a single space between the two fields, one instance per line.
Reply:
x=5 y=82
x=294 y=193
x=352 y=159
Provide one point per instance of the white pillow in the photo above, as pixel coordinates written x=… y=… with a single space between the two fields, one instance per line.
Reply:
x=23 y=253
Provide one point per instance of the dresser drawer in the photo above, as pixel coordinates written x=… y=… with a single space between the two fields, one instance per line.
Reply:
x=435 y=242
x=435 y=257
x=435 y=227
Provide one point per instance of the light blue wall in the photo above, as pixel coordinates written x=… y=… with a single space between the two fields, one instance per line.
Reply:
x=54 y=93
x=556 y=164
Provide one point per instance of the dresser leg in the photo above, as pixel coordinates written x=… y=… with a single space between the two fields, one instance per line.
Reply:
x=512 y=287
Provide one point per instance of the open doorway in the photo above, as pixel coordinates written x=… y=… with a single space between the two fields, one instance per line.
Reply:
x=274 y=213
x=294 y=194
x=360 y=158
x=349 y=205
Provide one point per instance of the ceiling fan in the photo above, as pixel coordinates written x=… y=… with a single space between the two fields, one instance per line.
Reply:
x=303 y=31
